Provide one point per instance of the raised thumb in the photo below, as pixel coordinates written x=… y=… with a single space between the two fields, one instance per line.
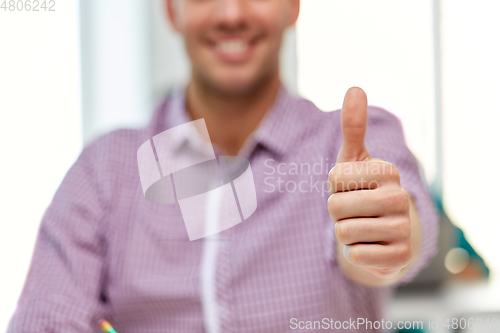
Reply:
x=354 y=121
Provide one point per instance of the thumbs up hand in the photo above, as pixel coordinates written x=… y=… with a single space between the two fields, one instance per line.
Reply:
x=370 y=209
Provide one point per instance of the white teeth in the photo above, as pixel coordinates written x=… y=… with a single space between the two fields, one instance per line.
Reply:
x=232 y=46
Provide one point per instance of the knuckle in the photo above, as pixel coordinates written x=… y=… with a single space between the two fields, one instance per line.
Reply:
x=394 y=172
x=391 y=173
x=403 y=204
x=387 y=200
x=396 y=200
x=402 y=229
x=404 y=254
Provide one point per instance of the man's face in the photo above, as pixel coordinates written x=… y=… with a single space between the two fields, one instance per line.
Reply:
x=233 y=45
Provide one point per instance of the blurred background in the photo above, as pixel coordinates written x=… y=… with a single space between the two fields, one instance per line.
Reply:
x=92 y=66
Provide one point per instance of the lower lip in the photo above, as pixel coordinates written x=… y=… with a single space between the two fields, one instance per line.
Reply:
x=238 y=57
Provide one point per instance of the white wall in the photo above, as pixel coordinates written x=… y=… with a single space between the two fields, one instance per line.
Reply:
x=471 y=120
x=384 y=47
x=40 y=130
x=169 y=59
x=116 y=67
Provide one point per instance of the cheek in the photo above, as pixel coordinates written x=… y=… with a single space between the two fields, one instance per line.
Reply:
x=274 y=25
x=193 y=24
x=193 y=43
x=273 y=39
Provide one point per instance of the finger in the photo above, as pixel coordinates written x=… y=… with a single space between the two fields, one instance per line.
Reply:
x=354 y=120
x=372 y=230
x=344 y=205
x=367 y=203
x=372 y=174
x=378 y=256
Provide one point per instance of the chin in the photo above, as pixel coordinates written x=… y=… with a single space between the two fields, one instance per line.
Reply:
x=231 y=80
x=236 y=87
x=241 y=83
x=233 y=85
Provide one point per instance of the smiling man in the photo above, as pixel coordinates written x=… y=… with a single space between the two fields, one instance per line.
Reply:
x=327 y=253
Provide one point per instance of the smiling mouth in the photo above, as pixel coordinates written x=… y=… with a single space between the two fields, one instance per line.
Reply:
x=236 y=50
x=232 y=47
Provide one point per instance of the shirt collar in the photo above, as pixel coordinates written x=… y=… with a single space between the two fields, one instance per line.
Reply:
x=278 y=129
x=177 y=115
x=276 y=132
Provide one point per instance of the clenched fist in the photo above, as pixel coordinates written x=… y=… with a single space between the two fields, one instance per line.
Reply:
x=370 y=209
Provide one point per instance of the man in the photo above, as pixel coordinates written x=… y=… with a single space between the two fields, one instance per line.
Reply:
x=103 y=251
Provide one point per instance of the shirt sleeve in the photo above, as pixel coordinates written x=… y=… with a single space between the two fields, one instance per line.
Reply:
x=385 y=140
x=63 y=288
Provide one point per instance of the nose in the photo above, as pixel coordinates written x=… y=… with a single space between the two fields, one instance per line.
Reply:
x=230 y=14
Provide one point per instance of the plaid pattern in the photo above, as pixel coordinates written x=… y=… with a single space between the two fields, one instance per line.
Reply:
x=104 y=251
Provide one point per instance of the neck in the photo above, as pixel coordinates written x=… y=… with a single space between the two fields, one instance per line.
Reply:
x=231 y=119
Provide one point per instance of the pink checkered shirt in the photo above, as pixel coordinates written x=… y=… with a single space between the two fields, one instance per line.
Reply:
x=104 y=251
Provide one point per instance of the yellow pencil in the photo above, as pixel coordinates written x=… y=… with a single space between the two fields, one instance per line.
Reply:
x=106 y=327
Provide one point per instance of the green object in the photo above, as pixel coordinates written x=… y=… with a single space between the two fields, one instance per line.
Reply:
x=410 y=330
x=460 y=240
x=464 y=244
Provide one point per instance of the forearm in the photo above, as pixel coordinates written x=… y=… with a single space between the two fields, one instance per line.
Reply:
x=359 y=275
